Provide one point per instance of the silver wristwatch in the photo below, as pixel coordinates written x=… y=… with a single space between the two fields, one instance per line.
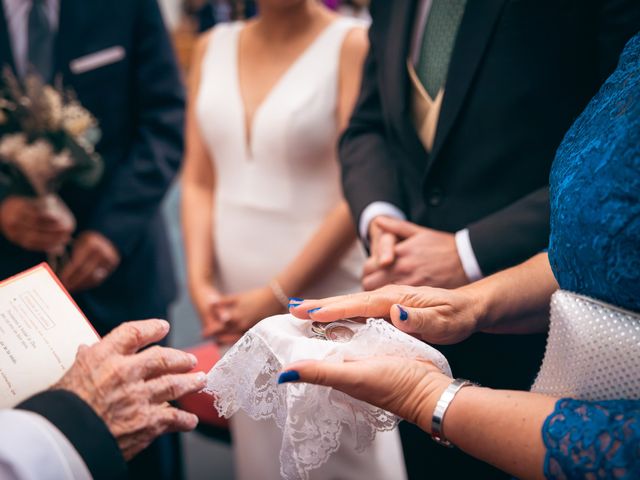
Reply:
x=441 y=409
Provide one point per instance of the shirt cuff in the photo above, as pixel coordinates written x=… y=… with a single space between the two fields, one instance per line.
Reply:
x=467 y=257
x=374 y=210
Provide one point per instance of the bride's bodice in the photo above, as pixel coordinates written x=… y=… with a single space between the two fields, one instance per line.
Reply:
x=276 y=184
x=594 y=248
x=288 y=159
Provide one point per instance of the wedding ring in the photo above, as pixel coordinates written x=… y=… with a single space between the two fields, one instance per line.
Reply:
x=335 y=331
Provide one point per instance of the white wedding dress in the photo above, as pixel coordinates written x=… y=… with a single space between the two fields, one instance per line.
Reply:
x=273 y=192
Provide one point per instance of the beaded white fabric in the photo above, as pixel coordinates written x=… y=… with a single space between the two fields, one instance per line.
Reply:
x=593 y=351
x=311 y=417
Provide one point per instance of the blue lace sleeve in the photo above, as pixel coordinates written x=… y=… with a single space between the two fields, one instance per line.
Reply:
x=593 y=440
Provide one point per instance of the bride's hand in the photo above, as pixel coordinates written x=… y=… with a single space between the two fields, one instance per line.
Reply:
x=433 y=314
x=246 y=309
x=408 y=388
x=212 y=311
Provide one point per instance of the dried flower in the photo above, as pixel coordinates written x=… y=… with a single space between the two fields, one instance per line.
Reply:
x=76 y=120
x=53 y=100
x=11 y=144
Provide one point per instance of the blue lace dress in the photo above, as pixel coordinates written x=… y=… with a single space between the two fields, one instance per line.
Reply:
x=595 y=250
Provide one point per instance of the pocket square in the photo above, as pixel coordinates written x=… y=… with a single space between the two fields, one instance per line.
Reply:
x=97 y=60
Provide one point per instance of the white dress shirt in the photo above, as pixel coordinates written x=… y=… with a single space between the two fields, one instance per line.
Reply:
x=17 y=15
x=463 y=243
x=31 y=448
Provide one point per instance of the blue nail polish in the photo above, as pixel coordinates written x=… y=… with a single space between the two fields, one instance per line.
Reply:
x=314 y=310
x=403 y=314
x=296 y=300
x=288 y=376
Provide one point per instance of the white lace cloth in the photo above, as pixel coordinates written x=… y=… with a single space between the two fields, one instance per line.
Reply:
x=311 y=416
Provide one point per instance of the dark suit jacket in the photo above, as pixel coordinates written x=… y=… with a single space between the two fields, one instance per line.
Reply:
x=139 y=103
x=521 y=72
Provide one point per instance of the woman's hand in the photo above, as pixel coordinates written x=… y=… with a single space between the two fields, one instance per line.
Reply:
x=245 y=310
x=210 y=307
x=435 y=315
x=408 y=388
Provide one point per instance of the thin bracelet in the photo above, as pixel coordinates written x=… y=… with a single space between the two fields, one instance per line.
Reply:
x=441 y=409
x=279 y=293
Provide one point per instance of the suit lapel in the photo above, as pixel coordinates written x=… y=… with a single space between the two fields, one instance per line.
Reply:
x=401 y=30
x=6 y=54
x=477 y=25
x=77 y=19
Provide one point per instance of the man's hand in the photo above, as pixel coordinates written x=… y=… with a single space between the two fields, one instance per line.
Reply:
x=27 y=222
x=130 y=390
x=381 y=244
x=93 y=259
x=422 y=257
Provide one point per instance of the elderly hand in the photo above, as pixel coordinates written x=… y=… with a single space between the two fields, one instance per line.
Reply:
x=435 y=315
x=93 y=260
x=407 y=388
x=421 y=256
x=28 y=223
x=130 y=390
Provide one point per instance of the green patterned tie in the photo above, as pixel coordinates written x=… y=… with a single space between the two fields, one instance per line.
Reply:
x=437 y=43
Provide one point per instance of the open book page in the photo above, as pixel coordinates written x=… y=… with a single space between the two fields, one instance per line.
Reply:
x=41 y=329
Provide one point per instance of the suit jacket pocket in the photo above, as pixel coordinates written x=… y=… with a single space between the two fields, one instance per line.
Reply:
x=93 y=61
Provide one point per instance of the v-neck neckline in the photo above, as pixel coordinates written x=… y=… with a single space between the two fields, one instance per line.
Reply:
x=249 y=125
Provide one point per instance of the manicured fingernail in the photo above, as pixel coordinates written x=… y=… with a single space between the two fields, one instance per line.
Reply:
x=296 y=300
x=288 y=376
x=201 y=377
x=193 y=358
x=403 y=314
x=314 y=310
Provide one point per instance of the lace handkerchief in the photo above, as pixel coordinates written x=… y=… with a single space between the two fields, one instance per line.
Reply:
x=311 y=416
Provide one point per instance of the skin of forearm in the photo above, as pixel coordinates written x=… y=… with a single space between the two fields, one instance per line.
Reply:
x=322 y=253
x=516 y=300
x=500 y=427
x=198 y=187
x=197 y=227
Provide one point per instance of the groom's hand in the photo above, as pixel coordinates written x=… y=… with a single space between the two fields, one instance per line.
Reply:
x=381 y=245
x=422 y=257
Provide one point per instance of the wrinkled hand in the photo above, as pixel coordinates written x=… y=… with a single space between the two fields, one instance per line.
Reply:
x=27 y=222
x=93 y=259
x=407 y=388
x=435 y=315
x=212 y=311
x=245 y=310
x=129 y=390
x=422 y=257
